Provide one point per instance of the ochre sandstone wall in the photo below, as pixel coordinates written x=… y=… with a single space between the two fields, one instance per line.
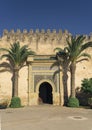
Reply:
x=43 y=43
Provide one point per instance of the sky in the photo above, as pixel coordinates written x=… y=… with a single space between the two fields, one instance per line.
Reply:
x=72 y=15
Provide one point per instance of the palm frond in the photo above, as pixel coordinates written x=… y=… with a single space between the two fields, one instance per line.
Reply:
x=80 y=40
x=86 y=45
x=4 y=49
x=5 y=64
x=84 y=55
x=84 y=59
x=55 y=64
x=55 y=73
x=4 y=70
x=23 y=48
x=23 y=56
x=17 y=55
x=10 y=58
x=67 y=50
x=58 y=49
x=69 y=44
x=75 y=48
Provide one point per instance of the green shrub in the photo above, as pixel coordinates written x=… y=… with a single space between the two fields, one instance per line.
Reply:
x=90 y=102
x=4 y=103
x=83 y=98
x=15 y=102
x=73 y=102
x=86 y=86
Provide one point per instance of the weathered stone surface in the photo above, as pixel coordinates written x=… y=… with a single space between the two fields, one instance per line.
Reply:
x=43 y=43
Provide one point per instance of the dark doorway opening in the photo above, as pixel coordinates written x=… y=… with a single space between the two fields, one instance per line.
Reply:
x=45 y=93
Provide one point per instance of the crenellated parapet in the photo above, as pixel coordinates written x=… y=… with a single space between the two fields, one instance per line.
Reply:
x=42 y=41
x=36 y=35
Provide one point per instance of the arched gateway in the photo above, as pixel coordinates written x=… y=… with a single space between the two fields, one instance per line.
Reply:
x=45 y=93
x=42 y=87
x=45 y=89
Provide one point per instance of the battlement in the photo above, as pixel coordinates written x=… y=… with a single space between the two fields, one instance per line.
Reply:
x=42 y=41
x=34 y=34
x=31 y=31
x=39 y=33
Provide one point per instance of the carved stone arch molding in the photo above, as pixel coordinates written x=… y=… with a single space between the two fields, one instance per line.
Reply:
x=55 y=95
x=45 y=80
x=41 y=75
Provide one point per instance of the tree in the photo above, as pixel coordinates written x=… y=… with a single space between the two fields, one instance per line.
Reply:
x=16 y=57
x=75 y=51
x=86 y=86
x=63 y=60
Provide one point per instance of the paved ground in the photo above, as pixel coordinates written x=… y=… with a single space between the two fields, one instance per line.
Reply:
x=46 y=117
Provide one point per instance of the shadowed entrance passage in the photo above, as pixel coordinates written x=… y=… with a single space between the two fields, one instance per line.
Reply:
x=45 y=93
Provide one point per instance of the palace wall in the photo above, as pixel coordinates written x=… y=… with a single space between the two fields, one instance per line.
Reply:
x=43 y=43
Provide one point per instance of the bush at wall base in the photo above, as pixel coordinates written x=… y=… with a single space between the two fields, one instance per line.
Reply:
x=90 y=102
x=73 y=102
x=3 y=103
x=15 y=102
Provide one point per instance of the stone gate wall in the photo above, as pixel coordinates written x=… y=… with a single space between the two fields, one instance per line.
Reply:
x=43 y=42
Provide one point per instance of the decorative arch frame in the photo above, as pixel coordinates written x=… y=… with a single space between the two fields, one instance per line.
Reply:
x=45 y=80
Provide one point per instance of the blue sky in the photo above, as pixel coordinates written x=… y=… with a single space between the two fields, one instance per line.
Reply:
x=73 y=15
